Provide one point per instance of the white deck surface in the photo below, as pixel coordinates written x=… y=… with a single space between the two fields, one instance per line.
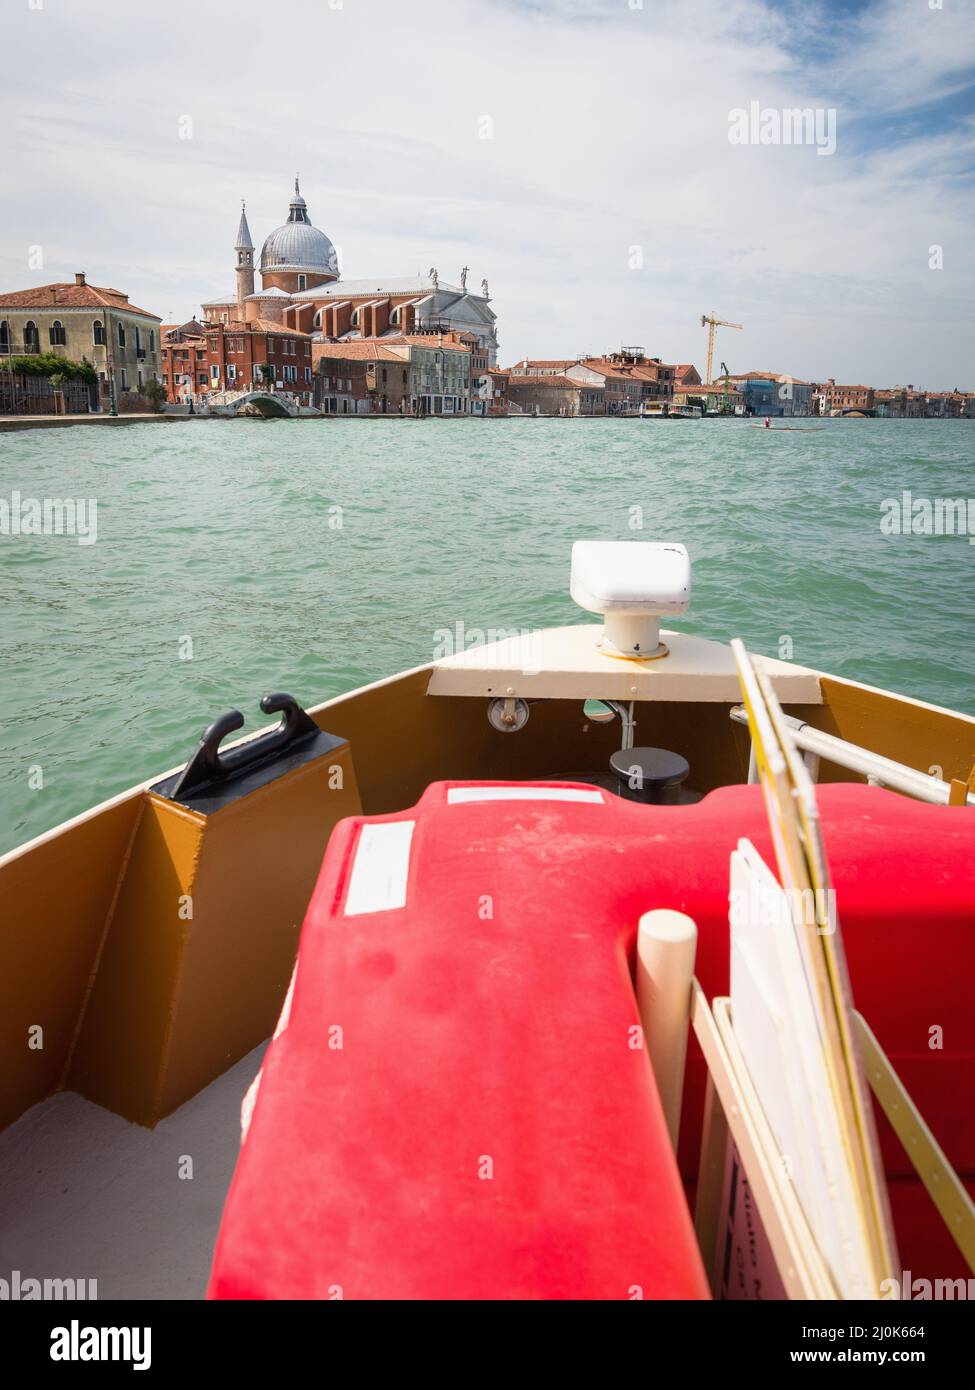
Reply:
x=566 y=663
x=86 y=1195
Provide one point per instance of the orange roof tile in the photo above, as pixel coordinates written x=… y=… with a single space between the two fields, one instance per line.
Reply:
x=519 y=382
x=71 y=296
x=369 y=350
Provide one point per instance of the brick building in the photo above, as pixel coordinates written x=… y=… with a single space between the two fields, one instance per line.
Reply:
x=365 y=378
x=302 y=290
x=200 y=359
x=545 y=393
x=183 y=361
x=844 y=398
x=630 y=378
x=686 y=374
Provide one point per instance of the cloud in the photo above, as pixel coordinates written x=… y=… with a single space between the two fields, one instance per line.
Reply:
x=608 y=130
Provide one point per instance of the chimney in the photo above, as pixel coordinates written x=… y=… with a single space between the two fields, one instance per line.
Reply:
x=79 y=277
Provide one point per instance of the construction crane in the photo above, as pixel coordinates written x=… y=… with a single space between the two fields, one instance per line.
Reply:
x=713 y=324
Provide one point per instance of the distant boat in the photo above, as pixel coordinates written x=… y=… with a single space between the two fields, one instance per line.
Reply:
x=659 y=410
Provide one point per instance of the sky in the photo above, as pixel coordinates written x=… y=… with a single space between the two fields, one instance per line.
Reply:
x=575 y=153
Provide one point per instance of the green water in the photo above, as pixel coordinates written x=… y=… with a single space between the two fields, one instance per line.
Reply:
x=219 y=531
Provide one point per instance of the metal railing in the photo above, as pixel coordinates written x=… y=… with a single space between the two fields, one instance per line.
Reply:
x=878 y=770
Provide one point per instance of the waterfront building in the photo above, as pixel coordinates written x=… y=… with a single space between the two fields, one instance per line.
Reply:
x=844 y=399
x=686 y=374
x=183 y=361
x=494 y=391
x=891 y=404
x=236 y=356
x=631 y=379
x=413 y=374
x=937 y=405
x=84 y=323
x=546 y=393
x=773 y=393
x=950 y=405
x=259 y=354
x=364 y=378
x=302 y=290
x=711 y=398
x=553 y=366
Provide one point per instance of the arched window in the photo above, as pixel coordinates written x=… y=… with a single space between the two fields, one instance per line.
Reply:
x=121 y=336
x=57 y=333
x=4 y=336
x=98 y=333
x=32 y=340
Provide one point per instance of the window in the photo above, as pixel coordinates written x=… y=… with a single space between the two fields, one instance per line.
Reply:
x=98 y=333
x=302 y=281
x=138 y=340
x=125 y=383
x=215 y=372
x=232 y=372
x=121 y=336
x=4 y=336
x=308 y=374
x=32 y=340
x=202 y=378
x=165 y=379
x=57 y=333
x=152 y=340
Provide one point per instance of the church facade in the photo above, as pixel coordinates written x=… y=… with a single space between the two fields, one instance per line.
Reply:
x=302 y=290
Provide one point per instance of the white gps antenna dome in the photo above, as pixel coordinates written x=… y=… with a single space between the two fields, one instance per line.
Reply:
x=632 y=585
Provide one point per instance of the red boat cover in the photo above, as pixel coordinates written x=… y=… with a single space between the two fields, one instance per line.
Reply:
x=454 y=1105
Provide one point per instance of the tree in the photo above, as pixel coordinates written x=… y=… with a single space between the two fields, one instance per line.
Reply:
x=57 y=380
x=50 y=365
x=155 y=393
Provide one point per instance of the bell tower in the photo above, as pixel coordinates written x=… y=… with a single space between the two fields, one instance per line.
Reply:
x=244 y=256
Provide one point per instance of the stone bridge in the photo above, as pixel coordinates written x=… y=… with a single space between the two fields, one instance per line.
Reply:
x=266 y=403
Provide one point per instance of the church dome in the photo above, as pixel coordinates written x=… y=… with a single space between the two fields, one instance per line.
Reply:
x=297 y=245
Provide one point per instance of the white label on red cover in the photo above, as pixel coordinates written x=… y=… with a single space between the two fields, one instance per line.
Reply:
x=380 y=869
x=462 y=794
